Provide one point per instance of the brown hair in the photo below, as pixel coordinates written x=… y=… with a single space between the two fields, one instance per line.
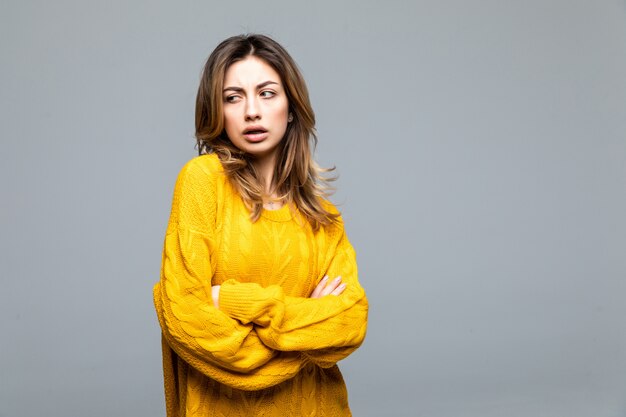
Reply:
x=297 y=178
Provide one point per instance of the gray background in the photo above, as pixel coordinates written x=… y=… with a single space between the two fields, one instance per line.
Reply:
x=482 y=152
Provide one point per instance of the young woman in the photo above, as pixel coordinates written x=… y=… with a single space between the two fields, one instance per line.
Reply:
x=258 y=297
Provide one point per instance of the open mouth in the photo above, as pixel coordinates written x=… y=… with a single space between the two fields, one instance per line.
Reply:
x=255 y=134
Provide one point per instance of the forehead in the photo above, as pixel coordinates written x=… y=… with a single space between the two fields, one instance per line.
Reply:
x=250 y=71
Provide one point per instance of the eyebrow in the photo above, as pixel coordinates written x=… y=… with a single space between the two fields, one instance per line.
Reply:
x=258 y=87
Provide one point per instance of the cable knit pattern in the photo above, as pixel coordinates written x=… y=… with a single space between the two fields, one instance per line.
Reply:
x=269 y=350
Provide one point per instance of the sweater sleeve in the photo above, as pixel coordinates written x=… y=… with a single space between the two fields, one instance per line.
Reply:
x=325 y=330
x=220 y=347
x=190 y=323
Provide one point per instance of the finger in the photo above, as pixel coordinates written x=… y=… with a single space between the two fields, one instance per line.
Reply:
x=215 y=294
x=332 y=285
x=339 y=289
x=318 y=290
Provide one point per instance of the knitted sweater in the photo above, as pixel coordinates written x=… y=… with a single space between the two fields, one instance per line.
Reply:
x=269 y=349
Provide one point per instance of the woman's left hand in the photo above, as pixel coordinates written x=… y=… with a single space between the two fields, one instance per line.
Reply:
x=324 y=288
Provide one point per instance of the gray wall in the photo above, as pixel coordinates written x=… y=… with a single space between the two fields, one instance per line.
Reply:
x=482 y=152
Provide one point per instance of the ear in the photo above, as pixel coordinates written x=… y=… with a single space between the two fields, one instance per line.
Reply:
x=290 y=118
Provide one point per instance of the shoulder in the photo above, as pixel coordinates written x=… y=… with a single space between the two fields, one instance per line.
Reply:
x=333 y=210
x=203 y=170
x=199 y=179
x=336 y=228
x=329 y=206
x=197 y=192
x=202 y=166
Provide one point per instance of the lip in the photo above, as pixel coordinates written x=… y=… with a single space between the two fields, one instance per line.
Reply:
x=255 y=133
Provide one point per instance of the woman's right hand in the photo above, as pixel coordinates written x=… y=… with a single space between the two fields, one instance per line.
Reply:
x=324 y=288
x=215 y=293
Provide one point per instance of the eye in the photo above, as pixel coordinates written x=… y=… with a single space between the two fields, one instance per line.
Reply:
x=267 y=94
x=233 y=98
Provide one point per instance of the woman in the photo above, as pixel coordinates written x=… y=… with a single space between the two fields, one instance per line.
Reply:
x=258 y=297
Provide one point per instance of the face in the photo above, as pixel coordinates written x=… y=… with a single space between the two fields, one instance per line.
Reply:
x=255 y=108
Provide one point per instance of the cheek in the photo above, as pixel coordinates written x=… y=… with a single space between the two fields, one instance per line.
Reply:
x=229 y=121
x=228 y=117
x=281 y=113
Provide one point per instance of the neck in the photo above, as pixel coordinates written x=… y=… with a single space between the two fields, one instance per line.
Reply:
x=265 y=166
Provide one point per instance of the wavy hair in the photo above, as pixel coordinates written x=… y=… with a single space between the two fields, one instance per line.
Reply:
x=298 y=180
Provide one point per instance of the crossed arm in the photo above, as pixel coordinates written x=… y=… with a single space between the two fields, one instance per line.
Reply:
x=324 y=288
x=242 y=334
x=258 y=336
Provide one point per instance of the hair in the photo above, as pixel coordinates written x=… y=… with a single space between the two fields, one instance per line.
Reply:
x=298 y=180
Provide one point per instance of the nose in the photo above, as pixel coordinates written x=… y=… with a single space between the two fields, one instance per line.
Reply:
x=252 y=110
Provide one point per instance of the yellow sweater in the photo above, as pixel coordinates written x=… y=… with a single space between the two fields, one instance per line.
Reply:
x=269 y=350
